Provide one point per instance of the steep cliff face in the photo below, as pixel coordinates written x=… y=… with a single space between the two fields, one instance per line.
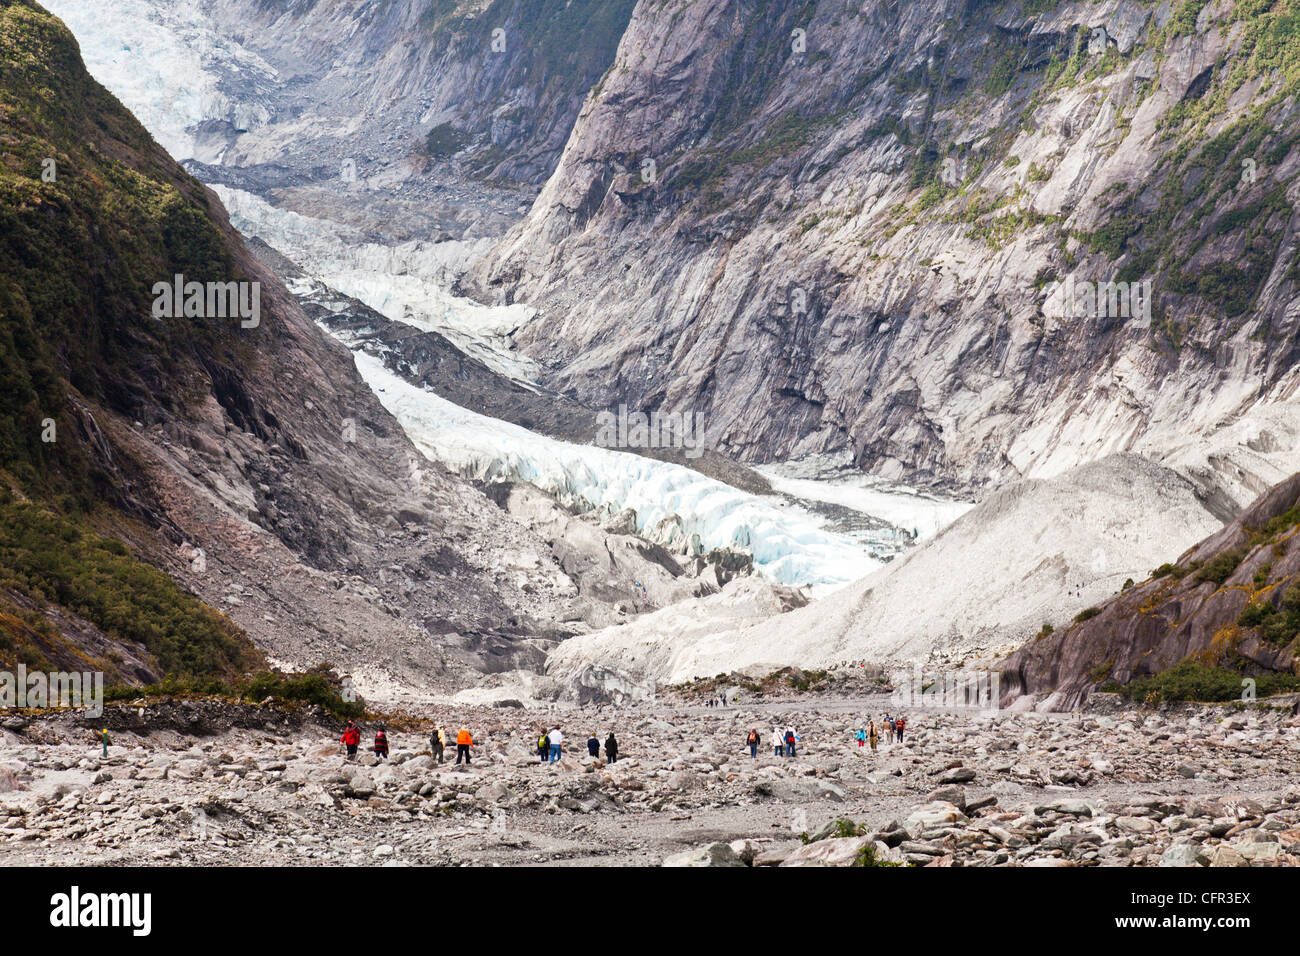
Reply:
x=1231 y=602
x=242 y=455
x=850 y=228
x=497 y=83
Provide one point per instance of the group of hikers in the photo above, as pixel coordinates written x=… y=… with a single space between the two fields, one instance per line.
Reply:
x=893 y=727
x=784 y=741
x=719 y=701
x=437 y=743
x=550 y=746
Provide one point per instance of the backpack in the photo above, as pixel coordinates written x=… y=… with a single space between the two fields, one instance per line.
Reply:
x=544 y=743
x=789 y=736
x=752 y=738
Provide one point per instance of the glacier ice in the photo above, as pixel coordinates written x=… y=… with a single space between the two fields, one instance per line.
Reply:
x=165 y=65
x=787 y=545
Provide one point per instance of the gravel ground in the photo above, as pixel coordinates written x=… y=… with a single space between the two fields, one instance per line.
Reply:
x=253 y=785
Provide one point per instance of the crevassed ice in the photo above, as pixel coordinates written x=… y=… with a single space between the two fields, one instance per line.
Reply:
x=163 y=63
x=407 y=282
x=787 y=547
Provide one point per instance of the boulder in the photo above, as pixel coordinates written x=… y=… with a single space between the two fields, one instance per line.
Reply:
x=841 y=851
x=715 y=854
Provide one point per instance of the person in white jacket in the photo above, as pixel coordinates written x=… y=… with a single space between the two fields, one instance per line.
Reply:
x=778 y=743
x=557 y=744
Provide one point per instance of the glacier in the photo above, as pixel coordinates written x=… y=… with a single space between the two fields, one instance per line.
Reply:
x=169 y=69
x=166 y=66
x=408 y=282
x=787 y=545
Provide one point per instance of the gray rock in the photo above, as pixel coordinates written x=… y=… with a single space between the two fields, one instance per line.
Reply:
x=715 y=854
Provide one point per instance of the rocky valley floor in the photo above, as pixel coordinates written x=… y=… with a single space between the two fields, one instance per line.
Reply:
x=205 y=782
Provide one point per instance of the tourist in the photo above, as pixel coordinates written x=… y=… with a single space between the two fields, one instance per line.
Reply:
x=557 y=744
x=351 y=739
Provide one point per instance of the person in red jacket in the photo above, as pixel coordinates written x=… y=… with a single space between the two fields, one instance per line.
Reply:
x=351 y=739
x=899 y=724
x=381 y=744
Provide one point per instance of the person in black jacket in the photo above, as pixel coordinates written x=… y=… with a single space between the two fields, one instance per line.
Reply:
x=611 y=748
x=593 y=745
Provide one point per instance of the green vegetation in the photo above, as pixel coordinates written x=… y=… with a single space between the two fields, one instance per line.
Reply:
x=867 y=857
x=310 y=688
x=79 y=256
x=1219 y=568
x=573 y=38
x=50 y=559
x=786 y=135
x=1190 y=680
x=444 y=140
x=1087 y=614
x=1277 y=624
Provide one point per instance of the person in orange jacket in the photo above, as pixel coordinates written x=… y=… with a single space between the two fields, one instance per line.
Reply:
x=351 y=739
x=463 y=742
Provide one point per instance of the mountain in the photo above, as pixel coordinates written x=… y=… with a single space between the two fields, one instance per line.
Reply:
x=1230 y=605
x=1037 y=551
x=847 y=229
x=245 y=459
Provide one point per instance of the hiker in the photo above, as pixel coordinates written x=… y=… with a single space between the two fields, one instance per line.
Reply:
x=105 y=743
x=778 y=743
x=873 y=734
x=593 y=745
x=611 y=748
x=898 y=728
x=790 y=738
x=381 y=744
x=351 y=739
x=557 y=744
x=753 y=741
x=722 y=699
x=860 y=737
x=889 y=727
x=544 y=746
x=437 y=743
x=463 y=742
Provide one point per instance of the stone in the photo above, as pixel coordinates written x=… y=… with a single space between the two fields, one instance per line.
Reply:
x=842 y=851
x=714 y=854
x=1180 y=854
x=957 y=775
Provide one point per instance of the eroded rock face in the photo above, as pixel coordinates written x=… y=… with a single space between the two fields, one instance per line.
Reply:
x=1193 y=607
x=762 y=250
x=246 y=457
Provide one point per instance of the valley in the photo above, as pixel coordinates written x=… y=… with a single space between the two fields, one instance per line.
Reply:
x=337 y=353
